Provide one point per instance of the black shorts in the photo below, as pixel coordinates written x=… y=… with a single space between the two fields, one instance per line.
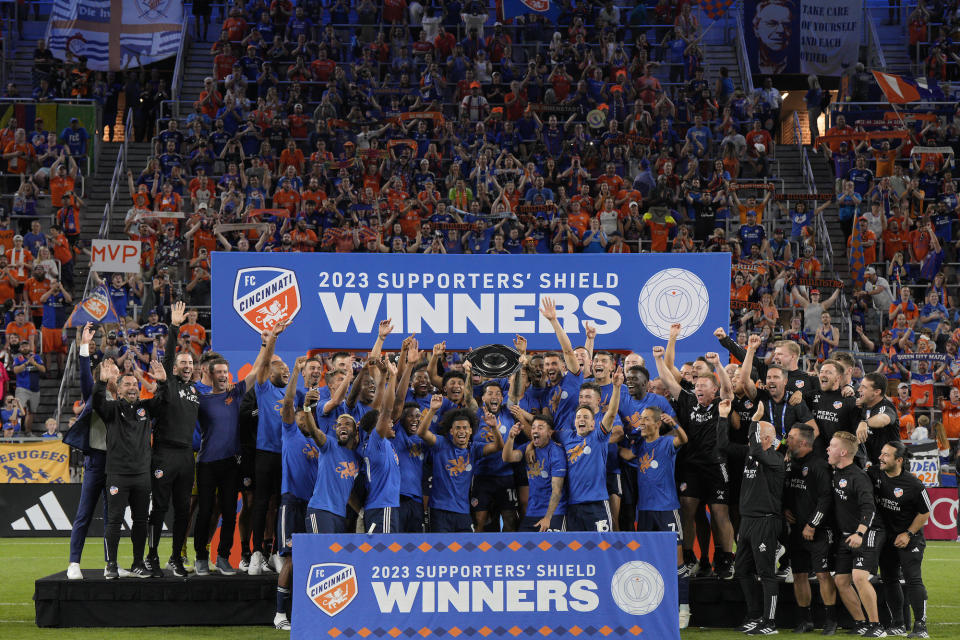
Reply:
x=494 y=493
x=529 y=523
x=811 y=556
x=660 y=521
x=411 y=514
x=291 y=519
x=707 y=482
x=628 y=483
x=589 y=516
x=247 y=473
x=520 y=478
x=865 y=558
x=614 y=486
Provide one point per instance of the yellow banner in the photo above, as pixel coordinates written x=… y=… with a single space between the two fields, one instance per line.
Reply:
x=35 y=462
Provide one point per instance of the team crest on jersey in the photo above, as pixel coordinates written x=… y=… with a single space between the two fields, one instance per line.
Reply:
x=799 y=384
x=805 y=471
x=158 y=473
x=332 y=586
x=141 y=413
x=263 y=296
x=837 y=404
x=898 y=492
x=748 y=404
x=842 y=483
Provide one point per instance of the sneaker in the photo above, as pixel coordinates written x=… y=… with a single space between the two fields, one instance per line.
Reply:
x=783 y=573
x=684 y=618
x=73 y=571
x=176 y=565
x=749 y=624
x=202 y=567
x=692 y=567
x=244 y=562
x=859 y=627
x=706 y=570
x=898 y=630
x=123 y=573
x=280 y=622
x=919 y=630
x=139 y=571
x=781 y=551
x=153 y=566
x=725 y=570
x=803 y=627
x=224 y=567
x=276 y=562
x=765 y=629
x=256 y=564
x=185 y=561
x=111 y=572
x=829 y=628
x=875 y=631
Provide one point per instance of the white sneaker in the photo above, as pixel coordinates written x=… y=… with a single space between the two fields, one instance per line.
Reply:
x=276 y=562
x=685 y=618
x=256 y=564
x=73 y=571
x=123 y=572
x=280 y=622
x=244 y=565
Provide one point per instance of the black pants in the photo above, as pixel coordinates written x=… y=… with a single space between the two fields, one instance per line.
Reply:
x=172 y=471
x=267 y=469
x=757 y=557
x=909 y=560
x=628 y=497
x=124 y=490
x=219 y=476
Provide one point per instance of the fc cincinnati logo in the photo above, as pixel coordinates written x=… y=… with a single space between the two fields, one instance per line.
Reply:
x=537 y=5
x=332 y=586
x=671 y=296
x=152 y=9
x=263 y=296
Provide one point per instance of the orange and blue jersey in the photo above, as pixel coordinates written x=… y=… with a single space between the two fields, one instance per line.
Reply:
x=586 y=465
x=337 y=468
x=382 y=469
x=300 y=456
x=549 y=462
x=656 y=487
x=453 y=470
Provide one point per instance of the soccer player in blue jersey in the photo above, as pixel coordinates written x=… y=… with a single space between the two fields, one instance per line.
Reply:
x=337 y=467
x=563 y=388
x=299 y=474
x=658 y=507
x=494 y=488
x=545 y=464
x=454 y=460
x=586 y=448
x=381 y=464
x=591 y=396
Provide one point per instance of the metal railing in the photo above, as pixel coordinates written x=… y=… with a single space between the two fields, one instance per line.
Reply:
x=743 y=58
x=874 y=46
x=177 y=81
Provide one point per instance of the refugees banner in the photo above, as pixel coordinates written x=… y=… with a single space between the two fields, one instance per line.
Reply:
x=42 y=461
x=336 y=301
x=525 y=585
x=802 y=36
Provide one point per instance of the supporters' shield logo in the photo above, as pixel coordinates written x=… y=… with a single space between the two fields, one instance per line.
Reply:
x=898 y=492
x=673 y=296
x=263 y=296
x=637 y=587
x=332 y=586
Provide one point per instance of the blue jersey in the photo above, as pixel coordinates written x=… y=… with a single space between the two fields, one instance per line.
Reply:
x=410 y=452
x=656 y=486
x=219 y=413
x=337 y=468
x=453 y=470
x=563 y=399
x=300 y=455
x=493 y=465
x=586 y=465
x=152 y=331
x=54 y=312
x=269 y=401
x=550 y=462
x=382 y=468
x=631 y=408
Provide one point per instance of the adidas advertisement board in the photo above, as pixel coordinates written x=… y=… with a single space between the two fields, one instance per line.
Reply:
x=526 y=585
x=335 y=301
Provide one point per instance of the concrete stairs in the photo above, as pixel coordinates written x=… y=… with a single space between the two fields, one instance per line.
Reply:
x=197 y=66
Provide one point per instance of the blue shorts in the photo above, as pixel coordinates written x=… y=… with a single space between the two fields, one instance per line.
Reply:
x=290 y=520
x=450 y=522
x=385 y=520
x=589 y=516
x=659 y=521
x=320 y=521
x=494 y=493
x=557 y=523
x=614 y=486
x=411 y=514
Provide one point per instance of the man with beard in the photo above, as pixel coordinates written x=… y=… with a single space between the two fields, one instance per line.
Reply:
x=338 y=464
x=545 y=464
x=381 y=510
x=703 y=477
x=453 y=457
x=494 y=488
x=563 y=387
x=832 y=410
x=904 y=509
x=879 y=423
x=410 y=451
x=779 y=412
x=808 y=507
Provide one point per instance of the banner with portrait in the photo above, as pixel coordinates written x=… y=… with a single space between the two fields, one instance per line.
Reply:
x=802 y=36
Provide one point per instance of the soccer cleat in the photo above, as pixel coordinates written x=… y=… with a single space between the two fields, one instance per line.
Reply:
x=73 y=571
x=111 y=572
x=919 y=630
x=153 y=566
x=749 y=624
x=897 y=630
x=765 y=629
x=803 y=627
x=224 y=567
x=280 y=622
x=875 y=631
x=137 y=570
x=829 y=628
x=256 y=564
x=176 y=565
x=684 y=618
x=202 y=567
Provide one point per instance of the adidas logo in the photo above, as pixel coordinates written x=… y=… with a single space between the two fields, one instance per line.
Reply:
x=36 y=517
x=762 y=547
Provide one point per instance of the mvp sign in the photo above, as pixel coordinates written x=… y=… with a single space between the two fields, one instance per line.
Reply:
x=115 y=255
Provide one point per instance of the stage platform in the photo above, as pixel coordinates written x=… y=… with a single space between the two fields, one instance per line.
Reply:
x=251 y=600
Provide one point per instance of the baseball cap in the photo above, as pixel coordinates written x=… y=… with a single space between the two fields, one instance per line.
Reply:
x=814 y=291
x=870 y=271
x=903 y=385
x=474 y=85
x=18 y=237
x=74 y=120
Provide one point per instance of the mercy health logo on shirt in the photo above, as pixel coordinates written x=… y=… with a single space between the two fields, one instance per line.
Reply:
x=263 y=296
x=332 y=586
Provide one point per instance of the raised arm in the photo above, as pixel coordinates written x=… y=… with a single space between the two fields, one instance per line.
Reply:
x=670 y=353
x=386 y=326
x=549 y=310
x=308 y=426
x=671 y=383
x=178 y=313
x=753 y=342
x=423 y=429
x=491 y=421
x=509 y=454
x=261 y=366
x=607 y=423
x=287 y=410
x=726 y=388
x=385 y=418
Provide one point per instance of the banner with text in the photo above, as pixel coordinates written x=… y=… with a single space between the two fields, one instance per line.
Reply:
x=43 y=461
x=337 y=300
x=121 y=256
x=526 y=585
x=942 y=524
x=802 y=36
